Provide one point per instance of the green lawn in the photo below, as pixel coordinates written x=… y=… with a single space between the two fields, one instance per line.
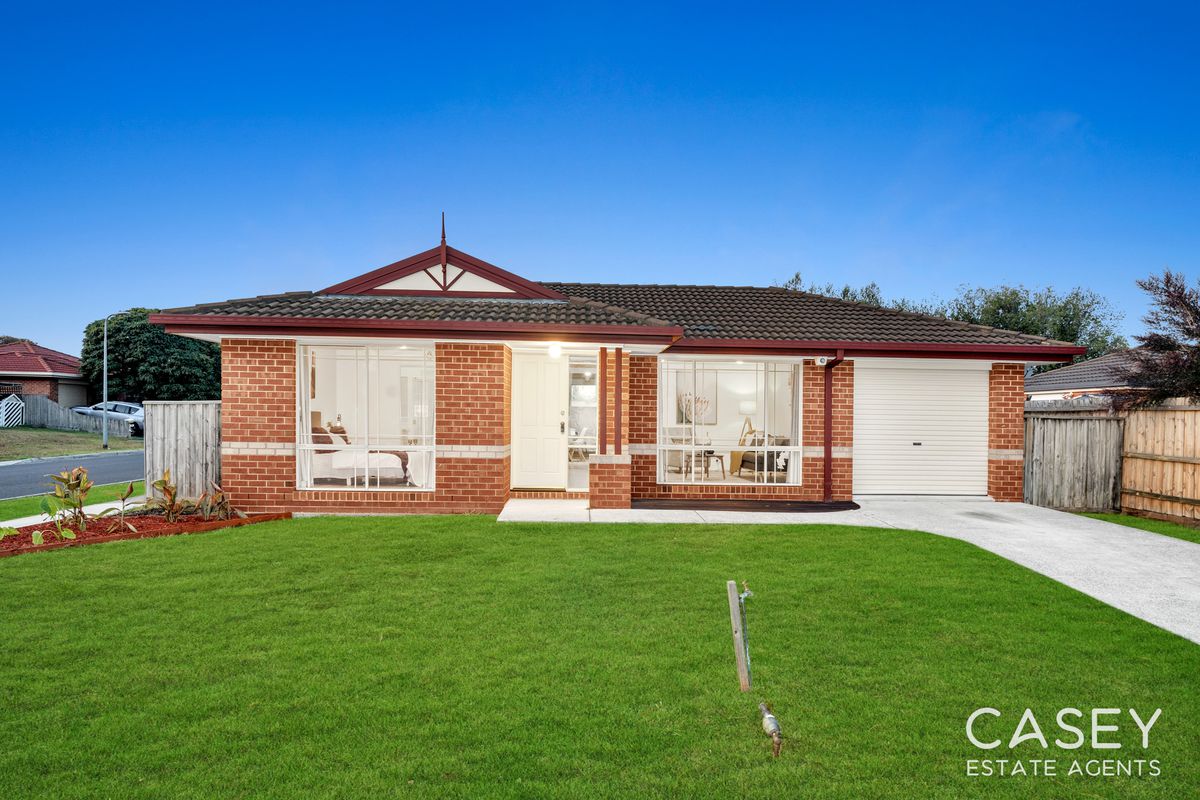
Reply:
x=28 y=506
x=1152 y=525
x=16 y=443
x=459 y=657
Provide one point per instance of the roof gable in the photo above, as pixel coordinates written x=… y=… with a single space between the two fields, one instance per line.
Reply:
x=446 y=272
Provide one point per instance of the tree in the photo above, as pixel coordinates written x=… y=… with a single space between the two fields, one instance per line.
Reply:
x=1080 y=316
x=147 y=363
x=870 y=294
x=13 y=339
x=1167 y=362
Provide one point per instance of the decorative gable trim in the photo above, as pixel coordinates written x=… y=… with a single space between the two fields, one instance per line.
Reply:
x=446 y=272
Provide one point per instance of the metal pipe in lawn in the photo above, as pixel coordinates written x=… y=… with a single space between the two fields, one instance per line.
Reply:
x=771 y=728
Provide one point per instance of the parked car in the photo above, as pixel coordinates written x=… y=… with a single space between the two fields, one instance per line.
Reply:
x=132 y=413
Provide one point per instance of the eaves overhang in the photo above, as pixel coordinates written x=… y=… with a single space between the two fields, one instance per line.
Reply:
x=1049 y=353
x=417 y=329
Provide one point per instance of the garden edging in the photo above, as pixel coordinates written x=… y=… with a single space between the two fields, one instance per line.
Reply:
x=203 y=527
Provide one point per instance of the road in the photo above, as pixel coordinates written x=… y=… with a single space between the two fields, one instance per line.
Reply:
x=30 y=477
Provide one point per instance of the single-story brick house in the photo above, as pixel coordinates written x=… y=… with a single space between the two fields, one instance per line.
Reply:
x=28 y=368
x=442 y=383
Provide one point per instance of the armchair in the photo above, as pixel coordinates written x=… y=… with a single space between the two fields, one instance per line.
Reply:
x=770 y=461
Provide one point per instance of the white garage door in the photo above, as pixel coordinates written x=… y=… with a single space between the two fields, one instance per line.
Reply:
x=921 y=429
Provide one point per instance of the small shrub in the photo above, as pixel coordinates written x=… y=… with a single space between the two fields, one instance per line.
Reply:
x=60 y=530
x=168 y=503
x=122 y=522
x=215 y=505
x=65 y=504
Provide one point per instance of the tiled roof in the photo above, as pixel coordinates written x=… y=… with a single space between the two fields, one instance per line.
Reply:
x=703 y=312
x=573 y=311
x=752 y=312
x=17 y=357
x=1095 y=373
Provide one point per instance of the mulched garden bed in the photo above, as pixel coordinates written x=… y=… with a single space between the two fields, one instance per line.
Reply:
x=109 y=529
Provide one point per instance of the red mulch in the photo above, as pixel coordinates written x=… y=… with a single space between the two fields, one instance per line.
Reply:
x=110 y=529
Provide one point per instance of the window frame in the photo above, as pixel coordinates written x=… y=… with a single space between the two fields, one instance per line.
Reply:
x=423 y=353
x=794 y=476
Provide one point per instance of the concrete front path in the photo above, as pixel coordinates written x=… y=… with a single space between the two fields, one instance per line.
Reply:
x=1153 y=577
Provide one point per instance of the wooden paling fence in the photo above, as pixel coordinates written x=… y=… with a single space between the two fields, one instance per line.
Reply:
x=184 y=437
x=42 y=412
x=1073 y=455
x=1081 y=455
x=1162 y=461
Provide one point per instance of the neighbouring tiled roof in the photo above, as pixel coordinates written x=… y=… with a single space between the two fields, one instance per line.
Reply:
x=30 y=357
x=573 y=311
x=1095 y=373
x=704 y=312
x=773 y=313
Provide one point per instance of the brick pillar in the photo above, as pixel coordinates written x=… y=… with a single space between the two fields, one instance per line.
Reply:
x=1006 y=432
x=610 y=475
x=642 y=427
x=609 y=481
x=813 y=409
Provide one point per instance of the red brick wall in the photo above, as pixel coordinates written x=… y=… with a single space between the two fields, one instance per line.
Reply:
x=1006 y=432
x=46 y=387
x=258 y=412
x=258 y=390
x=474 y=394
x=609 y=484
x=643 y=400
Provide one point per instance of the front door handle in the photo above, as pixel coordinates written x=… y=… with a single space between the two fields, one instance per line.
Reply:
x=562 y=427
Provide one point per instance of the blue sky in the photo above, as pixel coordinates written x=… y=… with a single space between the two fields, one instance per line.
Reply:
x=163 y=156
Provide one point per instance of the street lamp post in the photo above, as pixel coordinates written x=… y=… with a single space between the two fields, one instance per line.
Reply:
x=104 y=383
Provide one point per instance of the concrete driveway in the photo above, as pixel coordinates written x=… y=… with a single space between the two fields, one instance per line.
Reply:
x=1153 y=577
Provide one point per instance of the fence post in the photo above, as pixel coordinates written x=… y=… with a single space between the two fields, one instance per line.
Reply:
x=739 y=640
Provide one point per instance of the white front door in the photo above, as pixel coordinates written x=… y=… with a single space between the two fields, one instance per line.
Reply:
x=539 y=421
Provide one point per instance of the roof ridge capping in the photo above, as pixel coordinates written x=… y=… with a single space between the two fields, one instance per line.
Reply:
x=214 y=304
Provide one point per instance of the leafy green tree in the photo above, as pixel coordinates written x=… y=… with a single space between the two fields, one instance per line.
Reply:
x=1080 y=316
x=10 y=339
x=1166 y=363
x=147 y=363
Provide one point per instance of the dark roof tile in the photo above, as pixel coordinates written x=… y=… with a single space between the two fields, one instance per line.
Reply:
x=774 y=313
x=573 y=311
x=1104 y=372
x=704 y=312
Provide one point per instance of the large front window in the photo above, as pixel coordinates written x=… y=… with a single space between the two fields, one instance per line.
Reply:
x=366 y=417
x=729 y=422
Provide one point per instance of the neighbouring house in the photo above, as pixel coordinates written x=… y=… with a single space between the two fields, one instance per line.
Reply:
x=442 y=383
x=28 y=368
x=1099 y=375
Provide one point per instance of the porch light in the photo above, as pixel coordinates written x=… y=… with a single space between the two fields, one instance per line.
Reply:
x=555 y=350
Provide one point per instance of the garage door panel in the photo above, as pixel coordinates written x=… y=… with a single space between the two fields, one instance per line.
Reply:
x=946 y=410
